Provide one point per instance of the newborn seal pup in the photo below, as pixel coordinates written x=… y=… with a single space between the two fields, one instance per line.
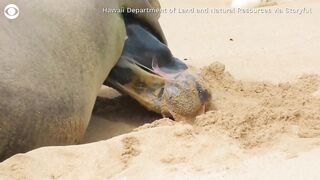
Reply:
x=149 y=73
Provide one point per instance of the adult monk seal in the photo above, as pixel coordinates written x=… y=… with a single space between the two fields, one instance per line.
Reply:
x=53 y=59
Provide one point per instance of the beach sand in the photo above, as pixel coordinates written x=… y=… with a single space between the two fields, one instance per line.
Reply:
x=264 y=74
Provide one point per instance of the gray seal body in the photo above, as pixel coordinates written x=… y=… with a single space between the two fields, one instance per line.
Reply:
x=53 y=59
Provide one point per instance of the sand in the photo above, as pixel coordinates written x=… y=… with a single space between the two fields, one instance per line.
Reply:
x=264 y=75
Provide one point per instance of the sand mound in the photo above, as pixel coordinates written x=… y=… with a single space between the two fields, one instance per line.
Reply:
x=246 y=118
x=255 y=112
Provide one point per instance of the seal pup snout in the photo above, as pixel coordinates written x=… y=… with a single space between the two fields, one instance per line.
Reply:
x=184 y=97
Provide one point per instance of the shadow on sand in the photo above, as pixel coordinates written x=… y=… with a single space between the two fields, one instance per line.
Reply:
x=116 y=116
